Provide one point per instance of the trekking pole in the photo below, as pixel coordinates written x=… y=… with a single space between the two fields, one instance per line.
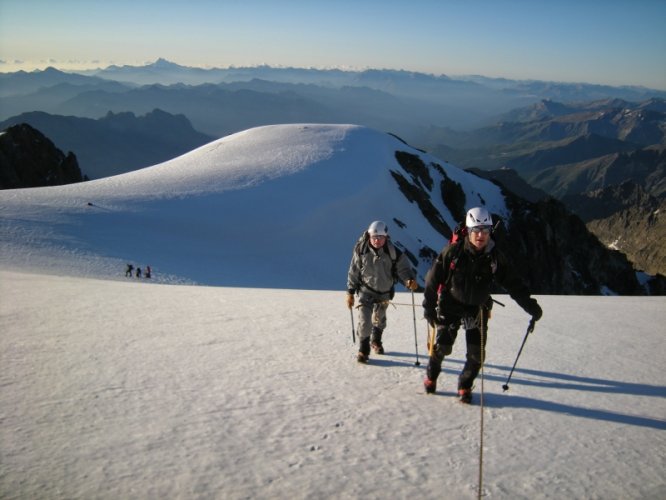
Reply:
x=351 y=313
x=499 y=303
x=416 y=344
x=530 y=329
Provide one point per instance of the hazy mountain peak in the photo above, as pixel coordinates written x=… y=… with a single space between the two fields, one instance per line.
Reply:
x=162 y=63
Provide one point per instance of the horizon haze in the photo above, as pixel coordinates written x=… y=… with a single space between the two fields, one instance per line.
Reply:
x=618 y=43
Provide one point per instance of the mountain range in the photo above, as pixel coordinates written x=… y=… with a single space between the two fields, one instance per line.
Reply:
x=122 y=118
x=118 y=142
x=573 y=152
x=222 y=101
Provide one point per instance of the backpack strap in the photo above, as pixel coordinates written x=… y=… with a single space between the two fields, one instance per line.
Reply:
x=393 y=253
x=453 y=263
x=455 y=257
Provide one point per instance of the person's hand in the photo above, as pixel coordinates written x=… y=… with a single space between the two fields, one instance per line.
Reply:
x=431 y=317
x=350 y=300
x=534 y=310
x=412 y=285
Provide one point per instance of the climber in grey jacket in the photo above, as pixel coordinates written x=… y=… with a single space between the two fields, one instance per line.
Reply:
x=376 y=266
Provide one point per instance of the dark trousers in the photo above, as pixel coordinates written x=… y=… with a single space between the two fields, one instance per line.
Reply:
x=476 y=334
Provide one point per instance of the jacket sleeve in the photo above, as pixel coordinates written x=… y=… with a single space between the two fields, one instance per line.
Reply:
x=354 y=274
x=434 y=279
x=403 y=269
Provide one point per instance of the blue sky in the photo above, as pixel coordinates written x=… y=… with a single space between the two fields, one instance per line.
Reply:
x=616 y=42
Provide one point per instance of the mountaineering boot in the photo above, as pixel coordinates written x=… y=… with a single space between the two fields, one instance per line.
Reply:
x=433 y=370
x=465 y=395
x=363 y=351
x=377 y=346
x=376 y=340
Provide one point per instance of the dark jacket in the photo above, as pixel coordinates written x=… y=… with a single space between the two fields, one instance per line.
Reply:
x=461 y=279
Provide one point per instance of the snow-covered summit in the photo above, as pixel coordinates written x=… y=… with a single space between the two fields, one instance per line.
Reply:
x=274 y=206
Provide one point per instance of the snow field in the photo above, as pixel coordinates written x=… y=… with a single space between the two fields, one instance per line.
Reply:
x=114 y=389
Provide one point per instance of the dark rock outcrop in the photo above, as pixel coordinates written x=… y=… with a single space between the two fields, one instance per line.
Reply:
x=29 y=159
x=118 y=142
x=629 y=219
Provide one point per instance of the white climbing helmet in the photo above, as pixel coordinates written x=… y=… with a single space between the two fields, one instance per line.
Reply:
x=478 y=216
x=378 y=228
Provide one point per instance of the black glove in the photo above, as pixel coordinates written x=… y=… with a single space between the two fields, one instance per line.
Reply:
x=430 y=316
x=532 y=308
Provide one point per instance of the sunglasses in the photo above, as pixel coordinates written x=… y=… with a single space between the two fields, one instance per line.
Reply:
x=378 y=237
x=480 y=229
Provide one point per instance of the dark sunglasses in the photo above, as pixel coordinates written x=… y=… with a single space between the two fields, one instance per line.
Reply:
x=480 y=229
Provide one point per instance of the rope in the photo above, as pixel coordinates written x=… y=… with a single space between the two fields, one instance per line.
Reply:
x=483 y=328
x=399 y=304
x=431 y=340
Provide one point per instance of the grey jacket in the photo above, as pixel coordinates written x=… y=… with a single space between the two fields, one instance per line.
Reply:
x=372 y=271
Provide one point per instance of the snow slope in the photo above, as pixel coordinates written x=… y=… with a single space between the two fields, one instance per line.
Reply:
x=276 y=206
x=128 y=389
x=116 y=387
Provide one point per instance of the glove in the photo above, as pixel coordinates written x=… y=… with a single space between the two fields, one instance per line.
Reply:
x=431 y=317
x=350 y=300
x=412 y=285
x=533 y=309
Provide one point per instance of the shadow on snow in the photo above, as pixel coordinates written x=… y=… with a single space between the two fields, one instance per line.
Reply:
x=560 y=381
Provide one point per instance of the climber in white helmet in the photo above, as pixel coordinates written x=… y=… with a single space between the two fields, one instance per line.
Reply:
x=376 y=266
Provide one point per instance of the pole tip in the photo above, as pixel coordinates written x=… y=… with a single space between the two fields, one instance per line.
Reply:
x=505 y=387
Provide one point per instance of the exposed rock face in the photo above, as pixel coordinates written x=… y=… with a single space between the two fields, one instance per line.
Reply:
x=556 y=253
x=418 y=190
x=550 y=247
x=628 y=219
x=29 y=159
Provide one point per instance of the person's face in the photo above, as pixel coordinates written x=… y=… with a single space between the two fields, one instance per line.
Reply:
x=479 y=236
x=377 y=241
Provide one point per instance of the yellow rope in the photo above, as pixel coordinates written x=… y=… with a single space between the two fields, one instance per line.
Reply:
x=431 y=339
